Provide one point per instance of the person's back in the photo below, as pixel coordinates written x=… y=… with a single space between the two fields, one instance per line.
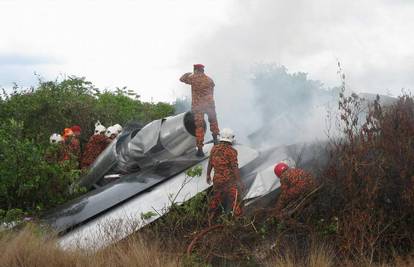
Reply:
x=227 y=184
x=202 y=90
x=74 y=146
x=223 y=160
x=202 y=95
x=294 y=184
x=95 y=146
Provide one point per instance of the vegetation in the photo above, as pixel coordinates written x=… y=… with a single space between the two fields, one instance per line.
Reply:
x=29 y=183
x=29 y=248
x=362 y=215
x=54 y=105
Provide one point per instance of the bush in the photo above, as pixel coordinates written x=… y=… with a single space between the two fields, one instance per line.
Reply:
x=28 y=181
x=54 y=105
x=369 y=183
x=29 y=116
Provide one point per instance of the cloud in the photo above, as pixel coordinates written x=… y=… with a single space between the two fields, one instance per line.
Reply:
x=112 y=43
x=23 y=69
x=16 y=59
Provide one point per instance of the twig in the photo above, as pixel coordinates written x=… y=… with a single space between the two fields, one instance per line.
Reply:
x=201 y=234
x=290 y=212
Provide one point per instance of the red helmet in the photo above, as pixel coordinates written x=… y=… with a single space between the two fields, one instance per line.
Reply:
x=67 y=132
x=280 y=168
x=198 y=66
x=76 y=128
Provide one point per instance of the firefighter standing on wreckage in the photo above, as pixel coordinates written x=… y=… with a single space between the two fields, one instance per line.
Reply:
x=202 y=95
x=227 y=184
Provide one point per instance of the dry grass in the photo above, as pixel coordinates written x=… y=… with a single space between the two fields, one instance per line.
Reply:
x=26 y=248
x=317 y=256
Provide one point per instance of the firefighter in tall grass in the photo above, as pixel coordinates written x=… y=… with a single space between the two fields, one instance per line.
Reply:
x=295 y=183
x=202 y=95
x=227 y=185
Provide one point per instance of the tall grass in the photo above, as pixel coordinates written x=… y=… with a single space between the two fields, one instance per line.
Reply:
x=27 y=248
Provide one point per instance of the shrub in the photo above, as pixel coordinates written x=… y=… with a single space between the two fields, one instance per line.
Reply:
x=28 y=181
x=369 y=182
x=54 y=105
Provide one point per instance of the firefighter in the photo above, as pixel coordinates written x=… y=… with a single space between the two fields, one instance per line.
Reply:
x=96 y=144
x=55 y=151
x=118 y=128
x=76 y=129
x=226 y=181
x=71 y=146
x=113 y=131
x=55 y=139
x=294 y=184
x=202 y=94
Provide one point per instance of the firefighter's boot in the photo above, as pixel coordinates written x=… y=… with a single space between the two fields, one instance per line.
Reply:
x=215 y=139
x=200 y=152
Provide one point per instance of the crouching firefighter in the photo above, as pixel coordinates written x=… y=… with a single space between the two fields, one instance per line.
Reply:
x=295 y=184
x=227 y=185
x=202 y=102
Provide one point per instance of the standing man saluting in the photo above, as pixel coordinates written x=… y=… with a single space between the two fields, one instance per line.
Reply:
x=202 y=95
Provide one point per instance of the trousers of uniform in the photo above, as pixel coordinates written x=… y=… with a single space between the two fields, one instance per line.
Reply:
x=210 y=110
x=226 y=198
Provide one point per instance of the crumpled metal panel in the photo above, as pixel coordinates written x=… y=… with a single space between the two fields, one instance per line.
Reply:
x=104 y=163
x=132 y=152
x=79 y=210
x=157 y=142
x=177 y=134
x=125 y=218
x=141 y=148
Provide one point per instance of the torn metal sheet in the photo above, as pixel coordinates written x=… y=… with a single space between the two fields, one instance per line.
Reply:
x=123 y=220
x=155 y=159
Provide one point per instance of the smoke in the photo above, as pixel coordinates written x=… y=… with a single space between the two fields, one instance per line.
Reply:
x=292 y=107
x=266 y=105
x=254 y=92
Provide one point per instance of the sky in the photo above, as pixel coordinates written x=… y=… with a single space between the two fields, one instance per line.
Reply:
x=147 y=45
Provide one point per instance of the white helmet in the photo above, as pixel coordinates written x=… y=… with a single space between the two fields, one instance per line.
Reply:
x=110 y=131
x=227 y=135
x=118 y=128
x=99 y=128
x=55 y=138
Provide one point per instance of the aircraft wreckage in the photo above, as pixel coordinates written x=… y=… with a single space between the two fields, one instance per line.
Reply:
x=138 y=177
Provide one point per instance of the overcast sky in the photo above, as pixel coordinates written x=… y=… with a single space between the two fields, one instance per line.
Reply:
x=147 y=45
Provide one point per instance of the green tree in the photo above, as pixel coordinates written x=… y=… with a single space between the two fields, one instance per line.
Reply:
x=28 y=117
x=28 y=181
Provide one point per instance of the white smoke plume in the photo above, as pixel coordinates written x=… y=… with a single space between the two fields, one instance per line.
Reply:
x=305 y=36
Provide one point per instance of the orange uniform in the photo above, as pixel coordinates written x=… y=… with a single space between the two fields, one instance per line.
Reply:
x=202 y=95
x=96 y=144
x=226 y=180
x=294 y=183
x=71 y=148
